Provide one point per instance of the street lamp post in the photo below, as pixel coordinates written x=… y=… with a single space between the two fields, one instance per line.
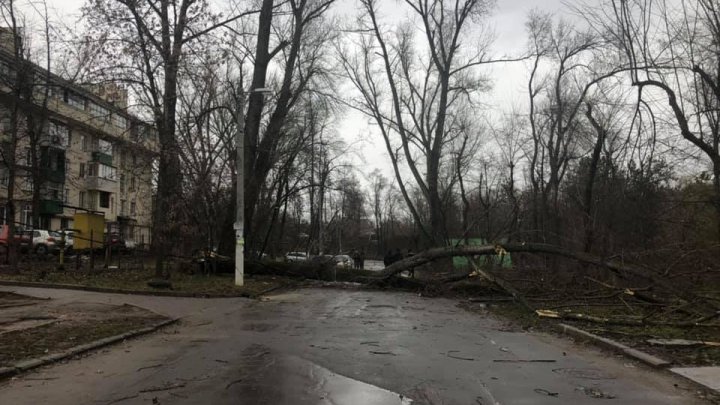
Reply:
x=240 y=203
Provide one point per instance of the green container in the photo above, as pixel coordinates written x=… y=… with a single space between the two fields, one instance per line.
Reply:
x=461 y=262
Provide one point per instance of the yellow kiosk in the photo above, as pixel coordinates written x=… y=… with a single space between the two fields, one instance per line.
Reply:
x=89 y=230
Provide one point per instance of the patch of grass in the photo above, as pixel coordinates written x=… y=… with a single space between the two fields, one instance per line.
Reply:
x=136 y=280
x=634 y=336
x=24 y=344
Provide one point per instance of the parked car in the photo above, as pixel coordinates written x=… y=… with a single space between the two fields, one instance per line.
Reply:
x=69 y=240
x=322 y=259
x=343 y=261
x=22 y=239
x=118 y=242
x=296 y=257
x=44 y=241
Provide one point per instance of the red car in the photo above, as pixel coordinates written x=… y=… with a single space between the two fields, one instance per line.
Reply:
x=22 y=239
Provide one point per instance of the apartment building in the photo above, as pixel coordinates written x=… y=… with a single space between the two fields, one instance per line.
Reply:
x=93 y=155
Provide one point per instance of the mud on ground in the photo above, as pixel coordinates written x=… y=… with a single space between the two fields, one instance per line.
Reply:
x=32 y=327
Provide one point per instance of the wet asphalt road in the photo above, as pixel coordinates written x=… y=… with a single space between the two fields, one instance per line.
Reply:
x=336 y=347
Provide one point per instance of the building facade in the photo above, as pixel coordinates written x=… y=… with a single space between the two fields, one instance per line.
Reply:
x=93 y=156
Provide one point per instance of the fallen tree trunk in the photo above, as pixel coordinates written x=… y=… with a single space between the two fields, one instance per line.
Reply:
x=617 y=267
x=544 y=313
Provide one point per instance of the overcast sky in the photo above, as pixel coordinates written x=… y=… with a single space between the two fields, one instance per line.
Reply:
x=509 y=79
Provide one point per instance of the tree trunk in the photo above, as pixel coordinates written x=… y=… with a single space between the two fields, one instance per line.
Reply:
x=592 y=173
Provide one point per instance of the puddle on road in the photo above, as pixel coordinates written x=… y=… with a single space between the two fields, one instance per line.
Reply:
x=340 y=390
x=267 y=378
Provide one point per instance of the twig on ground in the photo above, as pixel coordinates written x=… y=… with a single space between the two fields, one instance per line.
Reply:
x=165 y=388
x=231 y=383
x=452 y=356
x=115 y=401
x=148 y=367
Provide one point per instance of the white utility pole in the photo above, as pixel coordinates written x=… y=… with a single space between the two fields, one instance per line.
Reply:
x=240 y=170
x=240 y=203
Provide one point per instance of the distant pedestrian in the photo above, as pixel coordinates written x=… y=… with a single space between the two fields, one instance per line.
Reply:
x=397 y=256
x=387 y=260
x=356 y=259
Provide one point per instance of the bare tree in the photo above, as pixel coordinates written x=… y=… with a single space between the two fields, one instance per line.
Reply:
x=682 y=65
x=415 y=93
x=303 y=36
x=145 y=45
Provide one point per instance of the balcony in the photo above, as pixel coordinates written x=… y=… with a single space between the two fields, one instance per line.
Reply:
x=100 y=184
x=103 y=158
x=53 y=175
x=50 y=207
x=52 y=141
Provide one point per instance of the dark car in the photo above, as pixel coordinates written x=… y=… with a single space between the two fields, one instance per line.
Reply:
x=118 y=242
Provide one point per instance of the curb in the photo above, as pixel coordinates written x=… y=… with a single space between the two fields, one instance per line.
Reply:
x=30 y=364
x=629 y=351
x=177 y=294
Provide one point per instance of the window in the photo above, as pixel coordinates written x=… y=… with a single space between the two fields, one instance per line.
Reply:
x=53 y=192
x=105 y=147
x=122 y=183
x=26 y=216
x=123 y=207
x=64 y=223
x=56 y=91
x=112 y=205
x=27 y=184
x=57 y=161
x=132 y=208
x=119 y=121
x=86 y=142
x=81 y=199
x=60 y=131
x=132 y=182
x=6 y=71
x=66 y=200
x=104 y=171
x=104 y=200
x=5 y=125
x=75 y=100
x=98 y=111
x=82 y=170
x=4 y=177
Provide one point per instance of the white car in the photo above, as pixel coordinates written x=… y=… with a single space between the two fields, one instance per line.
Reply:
x=344 y=261
x=296 y=257
x=44 y=241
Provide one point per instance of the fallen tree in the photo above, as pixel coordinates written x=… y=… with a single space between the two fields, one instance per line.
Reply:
x=389 y=276
x=616 y=266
